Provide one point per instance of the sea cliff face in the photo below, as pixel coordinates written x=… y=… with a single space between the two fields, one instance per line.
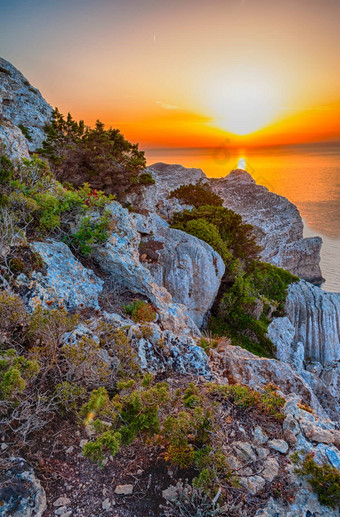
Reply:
x=277 y=222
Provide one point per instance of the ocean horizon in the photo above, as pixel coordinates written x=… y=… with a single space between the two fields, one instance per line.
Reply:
x=308 y=175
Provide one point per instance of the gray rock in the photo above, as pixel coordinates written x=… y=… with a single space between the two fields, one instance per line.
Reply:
x=21 y=104
x=106 y=504
x=119 y=257
x=270 y=470
x=124 y=489
x=259 y=436
x=67 y=283
x=278 y=445
x=21 y=493
x=244 y=451
x=187 y=267
x=62 y=501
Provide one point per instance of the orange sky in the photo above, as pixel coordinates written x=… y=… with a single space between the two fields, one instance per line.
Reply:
x=185 y=73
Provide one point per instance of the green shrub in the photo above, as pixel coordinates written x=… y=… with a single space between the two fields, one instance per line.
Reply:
x=146 y=179
x=15 y=371
x=91 y=232
x=325 y=481
x=140 y=311
x=197 y=195
x=25 y=132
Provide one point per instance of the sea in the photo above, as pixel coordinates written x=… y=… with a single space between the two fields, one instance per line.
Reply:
x=308 y=175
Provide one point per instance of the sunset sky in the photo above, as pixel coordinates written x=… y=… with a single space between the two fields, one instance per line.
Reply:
x=184 y=73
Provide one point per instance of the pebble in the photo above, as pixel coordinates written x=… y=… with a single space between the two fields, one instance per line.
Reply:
x=124 y=489
x=62 y=501
x=70 y=449
x=106 y=505
x=278 y=445
x=61 y=510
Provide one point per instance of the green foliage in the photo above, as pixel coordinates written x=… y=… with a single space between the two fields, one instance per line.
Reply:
x=197 y=195
x=268 y=401
x=251 y=292
x=25 y=132
x=69 y=396
x=90 y=232
x=146 y=179
x=15 y=371
x=237 y=236
x=79 y=154
x=13 y=313
x=324 y=479
x=140 y=311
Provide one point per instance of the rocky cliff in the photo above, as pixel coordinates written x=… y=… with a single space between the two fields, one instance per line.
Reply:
x=23 y=113
x=70 y=311
x=277 y=222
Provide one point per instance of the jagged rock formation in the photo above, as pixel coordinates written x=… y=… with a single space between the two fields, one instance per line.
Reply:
x=277 y=223
x=186 y=266
x=308 y=338
x=119 y=257
x=20 y=105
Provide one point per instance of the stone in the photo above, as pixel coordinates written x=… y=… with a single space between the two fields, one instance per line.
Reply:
x=21 y=104
x=277 y=223
x=106 y=504
x=61 y=510
x=291 y=424
x=278 y=445
x=259 y=436
x=290 y=437
x=67 y=514
x=253 y=483
x=62 y=501
x=244 y=451
x=316 y=434
x=124 y=489
x=21 y=493
x=262 y=453
x=170 y=493
x=270 y=470
x=188 y=268
x=67 y=283
x=119 y=258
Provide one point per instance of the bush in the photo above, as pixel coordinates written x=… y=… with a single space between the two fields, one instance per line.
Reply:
x=197 y=195
x=103 y=158
x=140 y=311
x=15 y=371
x=146 y=179
x=324 y=479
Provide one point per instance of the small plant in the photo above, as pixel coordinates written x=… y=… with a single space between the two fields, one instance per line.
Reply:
x=25 y=132
x=15 y=371
x=140 y=311
x=324 y=479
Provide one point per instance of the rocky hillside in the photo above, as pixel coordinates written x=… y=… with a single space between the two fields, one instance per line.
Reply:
x=114 y=398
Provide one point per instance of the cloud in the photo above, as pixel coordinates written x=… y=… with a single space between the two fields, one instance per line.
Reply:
x=167 y=106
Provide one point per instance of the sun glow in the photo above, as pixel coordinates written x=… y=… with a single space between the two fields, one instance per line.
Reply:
x=246 y=102
x=241 y=164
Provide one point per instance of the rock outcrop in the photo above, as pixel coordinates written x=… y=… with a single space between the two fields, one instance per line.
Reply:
x=168 y=177
x=67 y=282
x=21 y=494
x=277 y=222
x=186 y=266
x=308 y=337
x=119 y=258
x=23 y=113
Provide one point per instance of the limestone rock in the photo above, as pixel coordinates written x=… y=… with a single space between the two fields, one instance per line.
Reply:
x=67 y=283
x=119 y=257
x=277 y=222
x=21 y=493
x=168 y=177
x=21 y=105
x=187 y=267
x=124 y=489
x=278 y=445
x=259 y=436
x=271 y=469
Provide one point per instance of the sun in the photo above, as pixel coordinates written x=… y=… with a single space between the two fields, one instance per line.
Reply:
x=245 y=102
x=241 y=164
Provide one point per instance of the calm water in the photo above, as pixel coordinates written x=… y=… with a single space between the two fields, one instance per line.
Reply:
x=309 y=176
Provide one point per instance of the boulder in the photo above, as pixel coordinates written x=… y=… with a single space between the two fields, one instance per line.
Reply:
x=21 y=493
x=67 y=282
x=189 y=269
x=119 y=258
